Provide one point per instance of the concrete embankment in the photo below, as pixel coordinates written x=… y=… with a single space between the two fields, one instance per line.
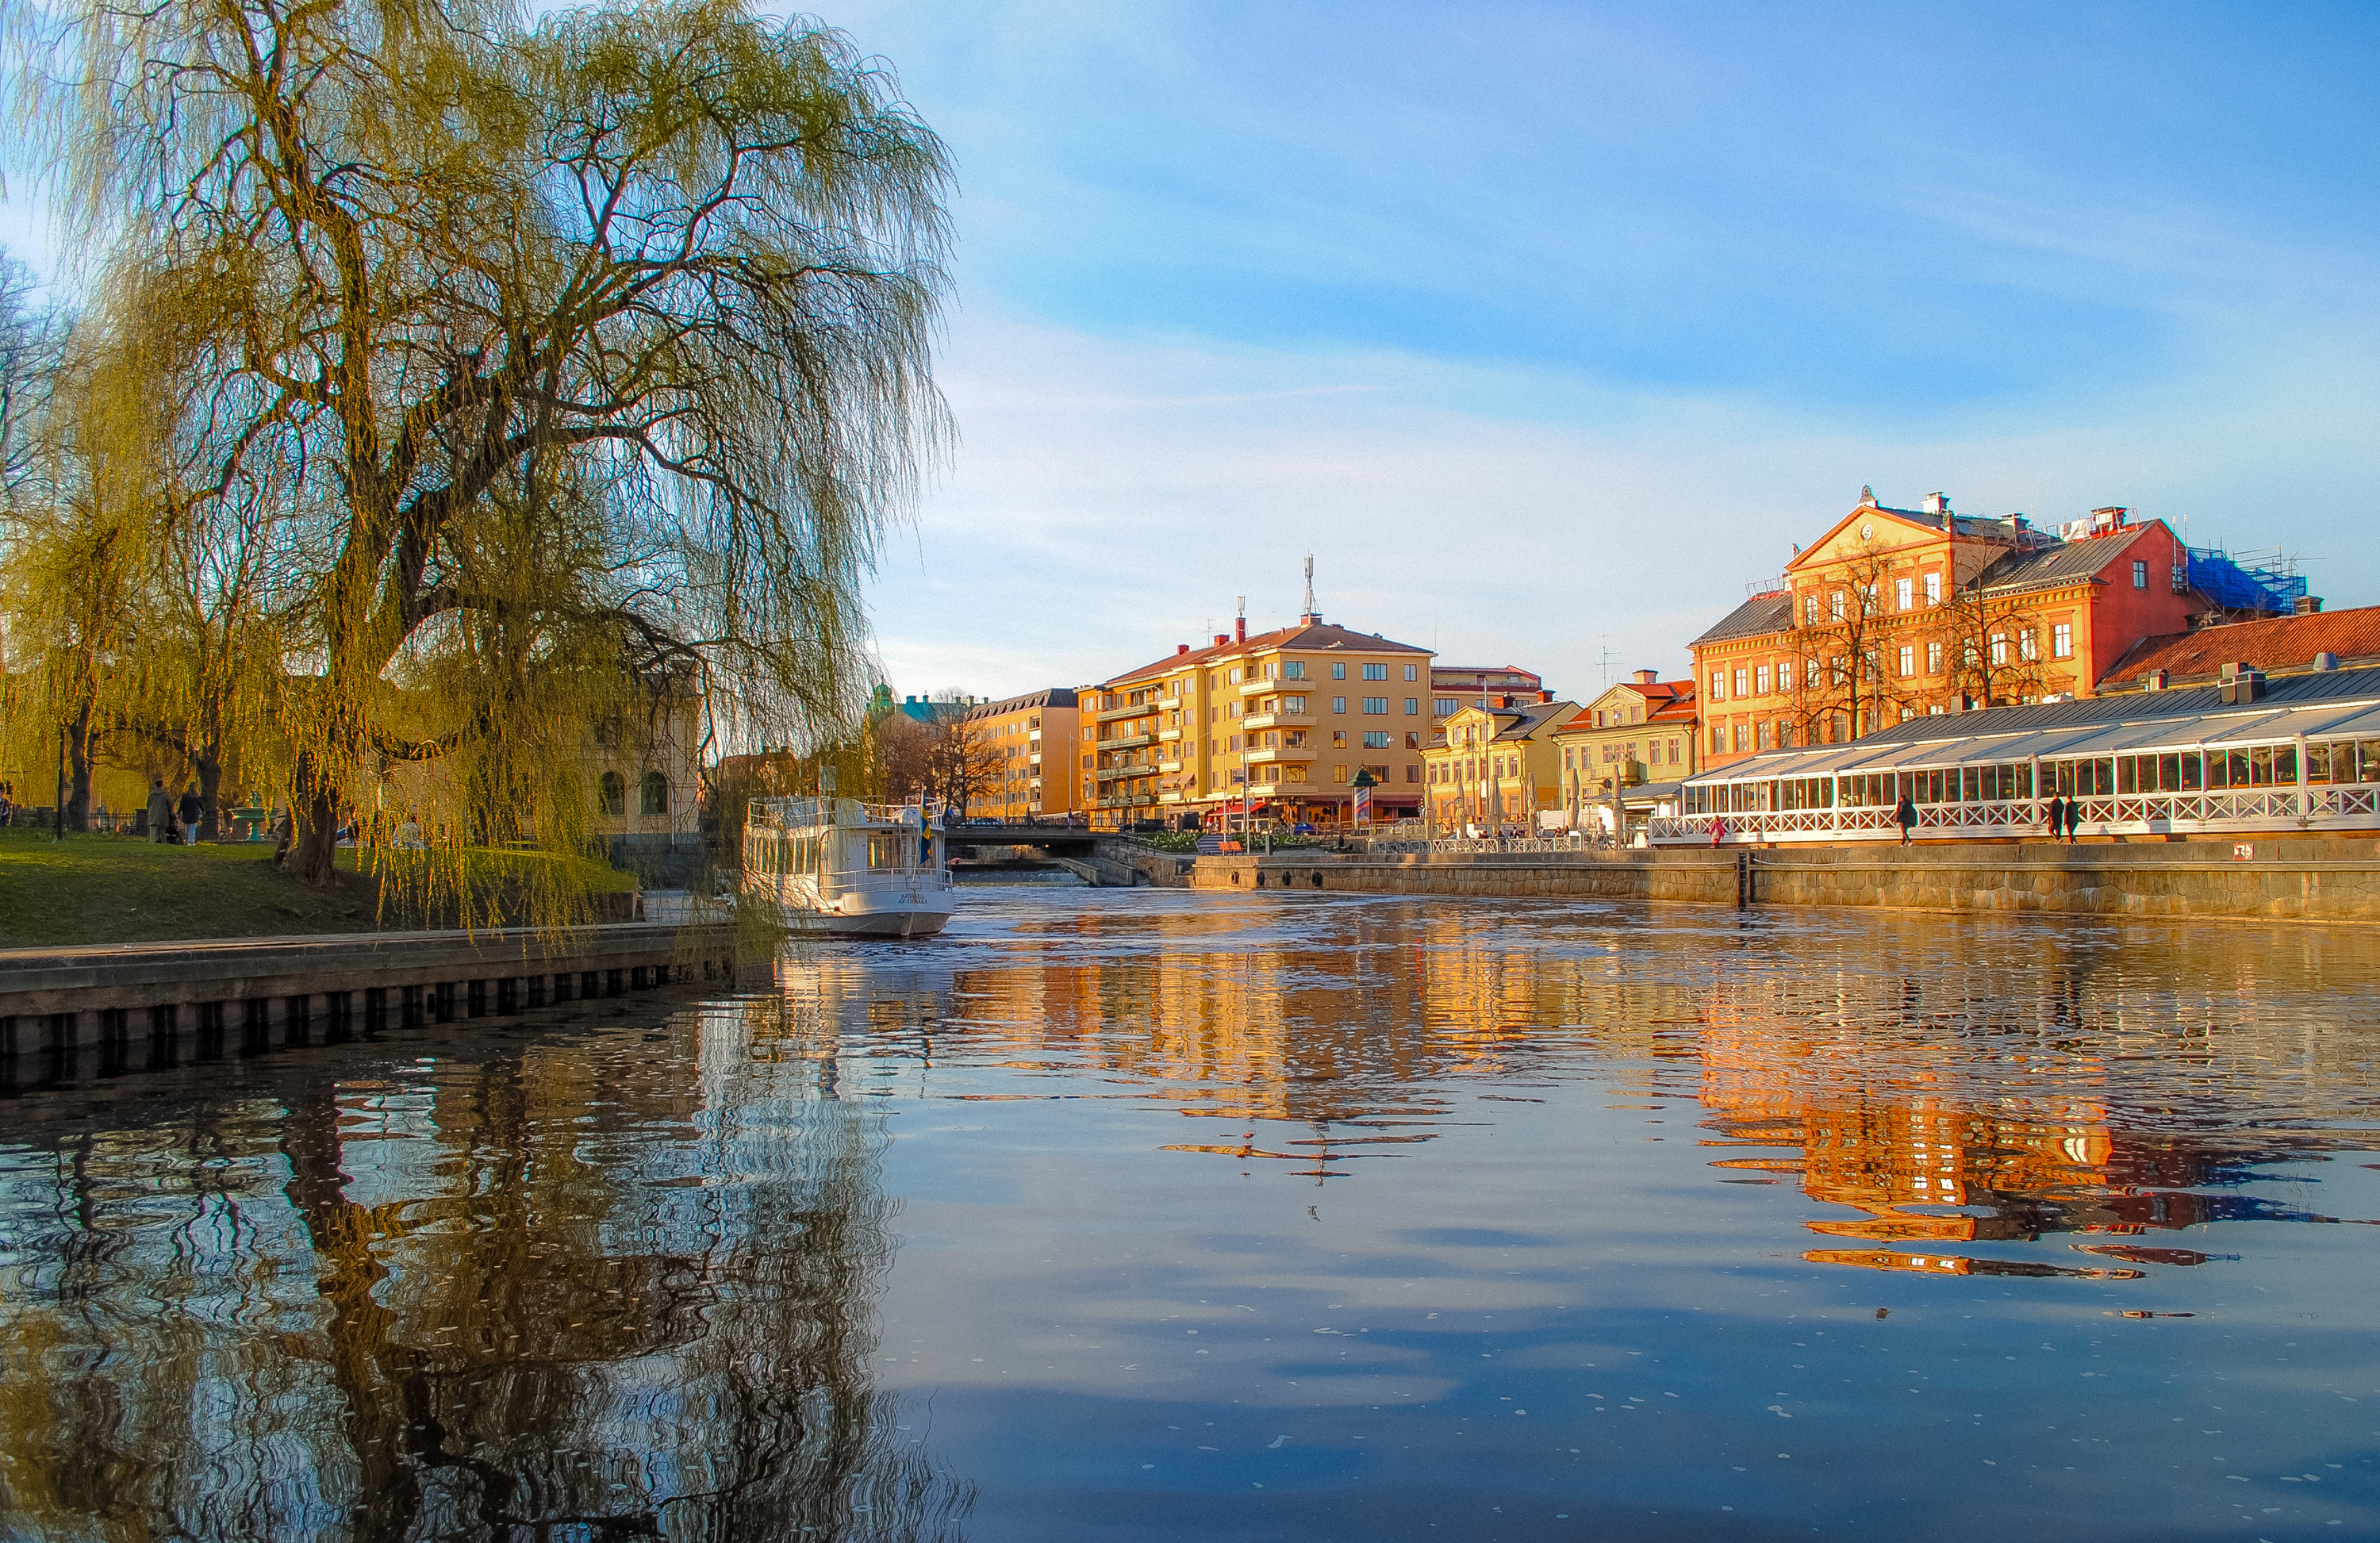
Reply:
x=2306 y=880
x=245 y=995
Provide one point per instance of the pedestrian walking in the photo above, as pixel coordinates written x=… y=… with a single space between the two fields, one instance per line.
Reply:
x=1719 y=830
x=161 y=811
x=2073 y=819
x=2056 y=816
x=188 y=811
x=1904 y=815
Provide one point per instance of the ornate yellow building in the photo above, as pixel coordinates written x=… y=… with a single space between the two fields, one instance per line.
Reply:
x=1496 y=768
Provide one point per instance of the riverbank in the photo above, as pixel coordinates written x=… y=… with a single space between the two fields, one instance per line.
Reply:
x=108 y=888
x=2326 y=880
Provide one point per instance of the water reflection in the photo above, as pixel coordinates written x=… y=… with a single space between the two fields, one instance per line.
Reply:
x=612 y=1286
x=1298 y=1215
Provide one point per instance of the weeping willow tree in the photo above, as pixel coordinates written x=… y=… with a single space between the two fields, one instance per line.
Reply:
x=576 y=355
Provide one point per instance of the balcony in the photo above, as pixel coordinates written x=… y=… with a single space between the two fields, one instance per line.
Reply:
x=1170 y=766
x=1263 y=758
x=1169 y=735
x=1259 y=687
x=1137 y=768
x=1131 y=742
x=1278 y=720
x=1137 y=709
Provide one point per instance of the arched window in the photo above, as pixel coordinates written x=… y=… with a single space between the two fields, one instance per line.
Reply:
x=653 y=794
x=614 y=791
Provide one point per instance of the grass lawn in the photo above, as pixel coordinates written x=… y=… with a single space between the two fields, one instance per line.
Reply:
x=93 y=889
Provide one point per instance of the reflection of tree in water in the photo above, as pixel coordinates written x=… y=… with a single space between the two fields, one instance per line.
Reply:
x=601 y=1290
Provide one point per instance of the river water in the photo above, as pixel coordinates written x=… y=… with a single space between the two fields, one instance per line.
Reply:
x=1135 y=1214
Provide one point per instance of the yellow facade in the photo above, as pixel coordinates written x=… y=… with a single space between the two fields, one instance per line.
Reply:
x=1494 y=769
x=1283 y=721
x=1030 y=740
x=1640 y=731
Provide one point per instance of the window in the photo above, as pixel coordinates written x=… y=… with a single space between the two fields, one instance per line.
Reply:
x=1236 y=677
x=1719 y=736
x=2140 y=576
x=1835 y=605
x=1785 y=676
x=1413 y=706
x=1413 y=672
x=652 y=793
x=1934 y=588
x=1338 y=739
x=1338 y=672
x=1375 y=740
x=1907 y=659
x=2028 y=643
x=1760 y=681
x=1293 y=669
x=1741 y=736
x=1412 y=741
x=1376 y=672
x=1718 y=684
x=613 y=790
x=1338 y=704
x=1934 y=659
x=1998 y=643
x=1738 y=683
x=1904 y=596
x=1413 y=773
x=1234 y=742
x=1760 y=731
x=1379 y=705
x=2062 y=640
x=1446 y=707
x=1339 y=773
x=1810 y=609
x=1087 y=763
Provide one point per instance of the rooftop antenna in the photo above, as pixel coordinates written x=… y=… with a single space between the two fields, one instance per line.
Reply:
x=1311 y=618
x=1240 y=623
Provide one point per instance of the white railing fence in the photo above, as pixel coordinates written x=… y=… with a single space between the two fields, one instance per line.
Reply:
x=2240 y=809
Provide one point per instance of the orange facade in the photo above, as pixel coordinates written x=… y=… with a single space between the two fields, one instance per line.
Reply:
x=1894 y=613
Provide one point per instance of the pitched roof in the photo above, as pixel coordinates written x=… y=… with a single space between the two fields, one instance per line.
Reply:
x=1755 y=617
x=2128 y=707
x=2277 y=644
x=1056 y=696
x=1321 y=636
x=1527 y=720
x=2067 y=563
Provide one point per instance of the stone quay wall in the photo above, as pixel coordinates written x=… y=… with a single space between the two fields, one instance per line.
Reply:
x=248 y=995
x=2286 y=879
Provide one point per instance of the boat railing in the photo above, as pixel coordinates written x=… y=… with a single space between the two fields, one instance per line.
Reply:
x=798 y=813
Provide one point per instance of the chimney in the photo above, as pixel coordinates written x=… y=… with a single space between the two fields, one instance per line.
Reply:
x=2309 y=605
x=1240 y=630
x=2153 y=681
x=1645 y=677
x=2326 y=662
x=1937 y=502
x=1222 y=638
x=2240 y=683
x=1180 y=648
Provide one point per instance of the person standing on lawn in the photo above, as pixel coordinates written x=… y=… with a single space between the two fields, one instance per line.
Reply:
x=161 y=811
x=187 y=813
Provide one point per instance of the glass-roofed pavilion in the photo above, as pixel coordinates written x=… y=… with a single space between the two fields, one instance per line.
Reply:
x=2299 y=755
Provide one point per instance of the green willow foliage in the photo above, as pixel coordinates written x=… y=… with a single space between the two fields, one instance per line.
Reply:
x=505 y=381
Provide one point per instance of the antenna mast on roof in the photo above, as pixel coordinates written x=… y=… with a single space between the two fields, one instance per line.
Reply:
x=1309 y=617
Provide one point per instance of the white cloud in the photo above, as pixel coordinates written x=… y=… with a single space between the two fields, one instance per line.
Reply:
x=1111 y=497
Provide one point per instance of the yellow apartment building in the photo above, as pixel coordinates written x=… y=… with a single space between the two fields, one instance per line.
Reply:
x=1276 y=725
x=1031 y=739
x=1494 y=768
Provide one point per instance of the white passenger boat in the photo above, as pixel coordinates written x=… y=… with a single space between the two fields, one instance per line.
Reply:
x=839 y=865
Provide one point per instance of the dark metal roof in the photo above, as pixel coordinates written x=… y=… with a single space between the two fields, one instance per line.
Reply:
x=1761 y=614
x=2068 y=562
x=1057 y=696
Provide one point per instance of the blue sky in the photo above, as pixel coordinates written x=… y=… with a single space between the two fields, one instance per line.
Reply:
x=1548 y=329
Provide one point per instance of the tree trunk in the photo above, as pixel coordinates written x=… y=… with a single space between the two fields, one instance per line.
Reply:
x=314 y=820
x=79 y=770
x=209 y=767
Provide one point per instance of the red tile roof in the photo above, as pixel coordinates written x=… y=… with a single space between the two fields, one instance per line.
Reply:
x=2285 y=644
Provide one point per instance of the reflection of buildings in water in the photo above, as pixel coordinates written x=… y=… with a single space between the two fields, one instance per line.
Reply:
x=2003 y=1109
x=606 y=1284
